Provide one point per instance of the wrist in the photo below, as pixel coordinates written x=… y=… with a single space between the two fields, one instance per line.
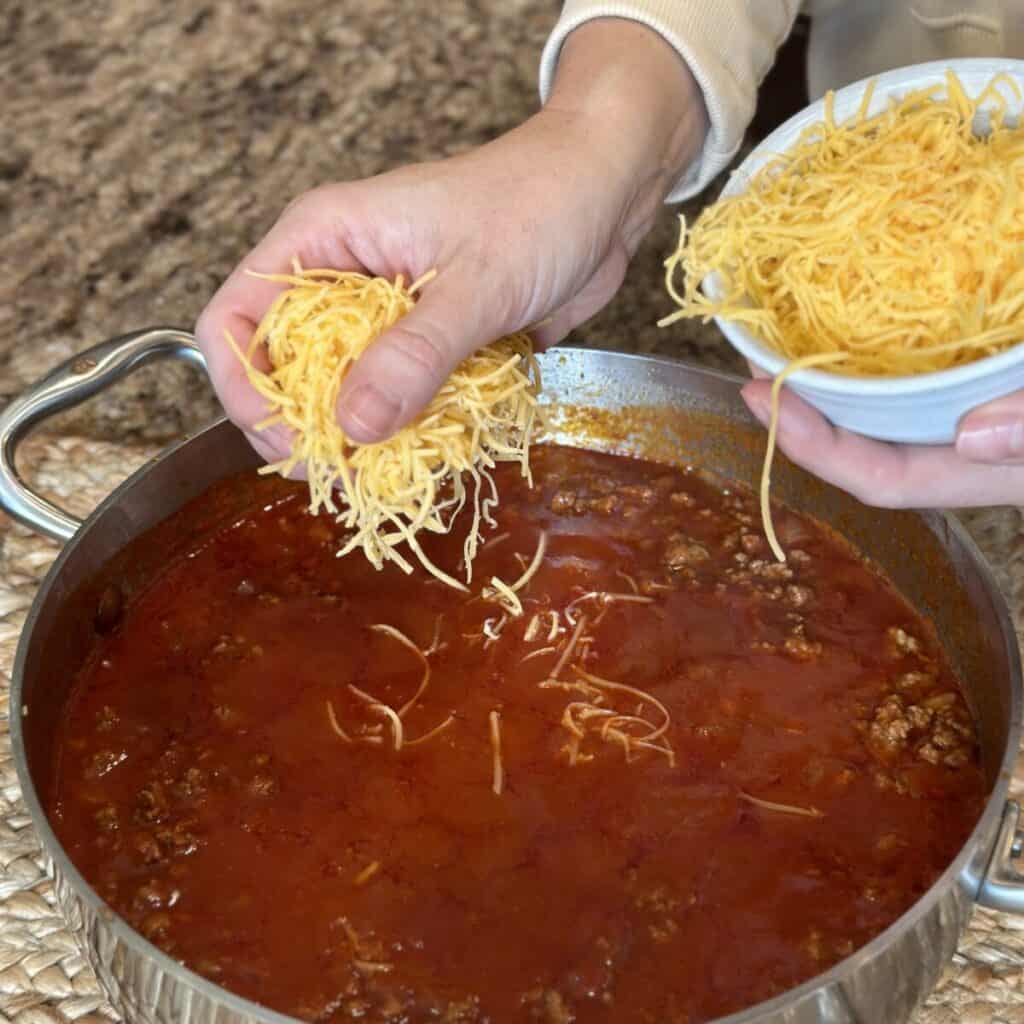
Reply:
x=641 y=112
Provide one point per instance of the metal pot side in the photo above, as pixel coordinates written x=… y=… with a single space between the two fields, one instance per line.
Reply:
x=645 y=406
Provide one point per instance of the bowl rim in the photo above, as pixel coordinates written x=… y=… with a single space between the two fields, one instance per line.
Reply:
x=888 y=83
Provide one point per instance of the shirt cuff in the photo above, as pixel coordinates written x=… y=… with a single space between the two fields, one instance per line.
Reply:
x=725 y=44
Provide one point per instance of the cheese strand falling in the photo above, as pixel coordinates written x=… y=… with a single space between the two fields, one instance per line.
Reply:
x=884 y=246
x=420 y=479
x=805 y=362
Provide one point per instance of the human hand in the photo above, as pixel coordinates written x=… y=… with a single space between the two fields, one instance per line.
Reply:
x=984 y=467
x=536 y=226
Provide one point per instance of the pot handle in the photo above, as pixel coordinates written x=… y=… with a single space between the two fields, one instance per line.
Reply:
x=1002 y=887
x=70 y=384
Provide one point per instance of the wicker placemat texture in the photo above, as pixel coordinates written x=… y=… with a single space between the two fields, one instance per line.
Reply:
x=44 y=980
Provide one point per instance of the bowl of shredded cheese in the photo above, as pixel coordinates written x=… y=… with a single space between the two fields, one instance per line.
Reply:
x=870 y=252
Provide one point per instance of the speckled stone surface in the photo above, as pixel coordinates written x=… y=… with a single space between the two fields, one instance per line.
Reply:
x=145 y=145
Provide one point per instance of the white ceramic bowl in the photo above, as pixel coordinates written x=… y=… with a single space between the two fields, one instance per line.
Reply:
x=922 y=409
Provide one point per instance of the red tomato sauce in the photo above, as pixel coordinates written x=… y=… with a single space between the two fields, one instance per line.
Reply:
x=818 y=768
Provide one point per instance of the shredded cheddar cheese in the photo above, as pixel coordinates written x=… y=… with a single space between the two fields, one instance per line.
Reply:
x=336 y=725
x=771 y=805
x=436 y=731
x=603 y=598
x=387 y=712
x=497 y=768
x=888 y=245
x=591 y=715
x=538 y=653
x=397 y=634
x=367 y=873
x=570 y=648
x=387 y=492
x=393 y=717
x=508 y=595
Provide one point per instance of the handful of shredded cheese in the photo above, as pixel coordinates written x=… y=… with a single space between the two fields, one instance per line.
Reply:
x=885 y=246
x=387 y=492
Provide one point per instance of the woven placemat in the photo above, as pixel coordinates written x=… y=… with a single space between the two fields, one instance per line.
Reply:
x=44 y=980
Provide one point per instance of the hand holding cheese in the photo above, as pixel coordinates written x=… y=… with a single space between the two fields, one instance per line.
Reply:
x=538 y=226
x=984 y=467
x=879 y=245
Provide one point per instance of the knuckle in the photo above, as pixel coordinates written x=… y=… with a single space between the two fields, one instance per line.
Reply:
x=294 y=207
x=880 y=486
x=424 y=352
x=235 y=410
x=310 y=203
x=206 y=329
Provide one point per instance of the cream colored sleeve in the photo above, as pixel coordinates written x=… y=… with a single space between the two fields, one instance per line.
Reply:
x=728 y=45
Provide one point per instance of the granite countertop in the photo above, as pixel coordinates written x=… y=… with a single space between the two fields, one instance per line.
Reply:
x=146 y=145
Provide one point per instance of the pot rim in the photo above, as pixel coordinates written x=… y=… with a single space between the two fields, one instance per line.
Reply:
x=828 y=980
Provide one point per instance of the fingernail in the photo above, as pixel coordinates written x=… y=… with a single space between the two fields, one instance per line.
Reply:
x=370 y=414
x=993 y=440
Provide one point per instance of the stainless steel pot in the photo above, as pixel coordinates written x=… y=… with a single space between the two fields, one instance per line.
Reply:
x=598 y=399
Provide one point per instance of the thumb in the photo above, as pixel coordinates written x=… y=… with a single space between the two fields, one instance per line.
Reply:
x=395 y=378
x=994 y=433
